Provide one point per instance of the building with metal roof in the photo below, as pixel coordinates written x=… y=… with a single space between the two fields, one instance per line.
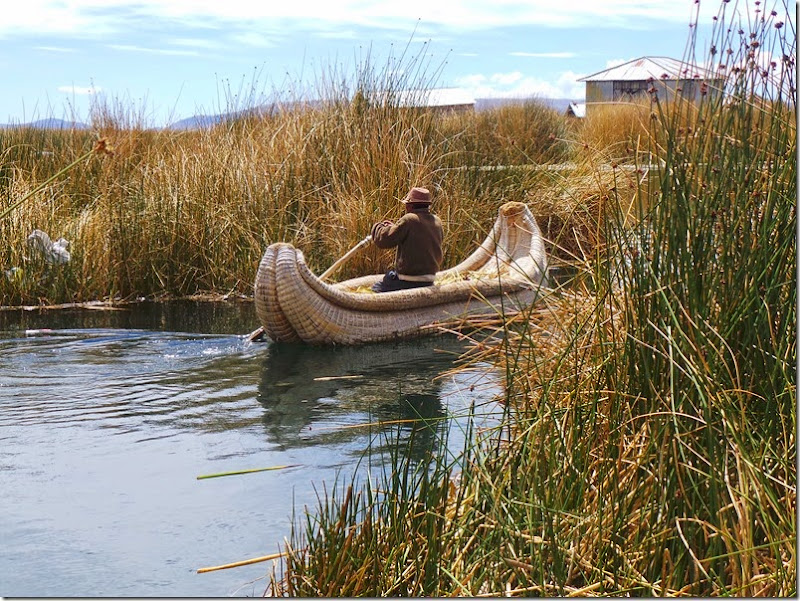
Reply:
x=443 y=99
x=635 y=80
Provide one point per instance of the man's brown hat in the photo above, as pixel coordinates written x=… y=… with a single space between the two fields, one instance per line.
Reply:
x=418 y=195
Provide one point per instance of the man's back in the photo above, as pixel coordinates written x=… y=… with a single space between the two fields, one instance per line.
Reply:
x=418 y=237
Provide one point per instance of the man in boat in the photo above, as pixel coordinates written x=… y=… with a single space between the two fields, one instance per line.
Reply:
x=417 y=235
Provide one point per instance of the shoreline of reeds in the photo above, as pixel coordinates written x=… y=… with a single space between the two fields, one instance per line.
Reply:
x=177 y=213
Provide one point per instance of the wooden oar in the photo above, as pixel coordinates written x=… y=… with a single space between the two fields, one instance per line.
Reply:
x=259 y=333
x=346 y=256
x=256 y=334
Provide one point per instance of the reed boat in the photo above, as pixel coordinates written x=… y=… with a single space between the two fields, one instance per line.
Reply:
x=502 y=276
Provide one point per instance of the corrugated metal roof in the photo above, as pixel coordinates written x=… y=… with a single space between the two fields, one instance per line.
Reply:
x=657 y=67
x=578 y=109
x=436 y=97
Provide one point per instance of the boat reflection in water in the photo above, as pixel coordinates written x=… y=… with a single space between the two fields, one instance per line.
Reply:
x=328 y=395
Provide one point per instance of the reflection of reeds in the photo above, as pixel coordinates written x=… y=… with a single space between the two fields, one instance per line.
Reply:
x=649 y=446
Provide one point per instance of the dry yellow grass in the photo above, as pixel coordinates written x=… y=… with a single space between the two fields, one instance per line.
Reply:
x=177 y=213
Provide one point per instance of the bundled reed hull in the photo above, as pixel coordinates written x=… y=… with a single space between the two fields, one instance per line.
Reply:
x=503 y=275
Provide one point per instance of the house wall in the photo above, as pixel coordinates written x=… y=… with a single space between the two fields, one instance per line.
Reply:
x=667 y=89
x=454 y=108
x=599 y=91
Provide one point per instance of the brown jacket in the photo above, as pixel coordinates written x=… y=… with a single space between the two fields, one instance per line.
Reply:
x=418 y=238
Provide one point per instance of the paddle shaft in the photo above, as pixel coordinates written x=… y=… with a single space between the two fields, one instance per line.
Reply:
x=344 y=258
x=260 y=331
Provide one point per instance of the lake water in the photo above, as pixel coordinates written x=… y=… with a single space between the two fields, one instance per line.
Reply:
x=108 y=417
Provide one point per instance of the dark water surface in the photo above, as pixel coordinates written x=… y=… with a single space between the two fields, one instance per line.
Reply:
x=108 y=417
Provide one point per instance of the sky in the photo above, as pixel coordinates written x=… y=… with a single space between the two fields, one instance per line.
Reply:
x=164 y=60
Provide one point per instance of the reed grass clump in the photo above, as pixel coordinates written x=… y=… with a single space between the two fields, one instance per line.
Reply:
x=521 y=133
x=620 y=131
x=648 y=446
x=175 y=213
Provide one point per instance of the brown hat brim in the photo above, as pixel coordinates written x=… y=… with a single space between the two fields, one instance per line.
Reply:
x=418 y=195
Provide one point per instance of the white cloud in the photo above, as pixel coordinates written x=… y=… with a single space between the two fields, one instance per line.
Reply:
x=131 y=48
x=515 y=85
x=569 y=85
x=348 y=34
x=54 y=49
x=253 y=38
x=472 y=82
x=195 y=43
x=616 y=62
x=80 y=90
x=506 y=79
x=91 y=17
x=48 y=16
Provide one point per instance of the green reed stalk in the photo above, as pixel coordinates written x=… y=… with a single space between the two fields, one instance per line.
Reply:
x=713 y=291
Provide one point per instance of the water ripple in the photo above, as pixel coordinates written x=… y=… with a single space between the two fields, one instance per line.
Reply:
x=104 y=428
x=123 y=378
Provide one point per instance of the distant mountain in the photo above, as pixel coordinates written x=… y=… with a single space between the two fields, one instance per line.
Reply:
x=561 y=104
x=203 y=121
x=481 y=104
x=50 y=123
x=197 y=122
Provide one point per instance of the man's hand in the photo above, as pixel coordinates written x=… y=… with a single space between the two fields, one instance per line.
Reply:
x=381 y=224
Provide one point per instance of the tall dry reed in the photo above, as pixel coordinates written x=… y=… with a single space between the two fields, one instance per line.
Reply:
x=183 y=212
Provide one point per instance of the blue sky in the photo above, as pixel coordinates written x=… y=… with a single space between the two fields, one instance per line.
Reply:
x=169 y=59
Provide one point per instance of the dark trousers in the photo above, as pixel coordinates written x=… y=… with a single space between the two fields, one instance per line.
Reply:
x=391 y=282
